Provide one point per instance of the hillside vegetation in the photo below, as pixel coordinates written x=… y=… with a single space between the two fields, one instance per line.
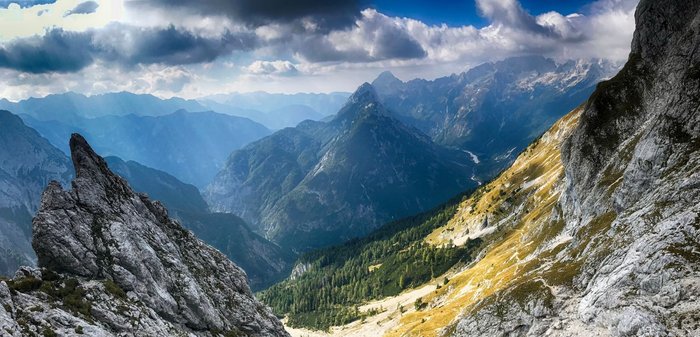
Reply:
x=338 y=279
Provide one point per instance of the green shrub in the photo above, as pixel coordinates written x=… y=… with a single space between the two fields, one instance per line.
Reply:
x=25 y=284
x=114 y=289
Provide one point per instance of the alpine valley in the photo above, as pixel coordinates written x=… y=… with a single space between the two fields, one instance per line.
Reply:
x=592 y=231
x=550 y=188
x=395 y=149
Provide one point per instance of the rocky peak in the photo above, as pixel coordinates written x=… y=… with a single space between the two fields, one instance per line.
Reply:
x=93 y=174
x=364 y=101
x=387 y=83
x=102 y=230
x=364 y=93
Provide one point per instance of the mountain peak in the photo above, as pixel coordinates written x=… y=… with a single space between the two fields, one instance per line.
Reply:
x=386 y=76
x=85 y=160
x=92 y=172
x=364 y=93
x=101 y=230
x=364 y=101
x=386 y=83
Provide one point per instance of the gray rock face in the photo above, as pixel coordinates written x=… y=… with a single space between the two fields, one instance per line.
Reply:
x=630 y=200
x=140 y=271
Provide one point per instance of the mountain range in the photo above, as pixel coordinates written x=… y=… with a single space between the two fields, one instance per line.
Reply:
x=275 y=111
x=592 y=231
x=493 y=111
x=397 y=148
x=322 y=183
x=192 y=146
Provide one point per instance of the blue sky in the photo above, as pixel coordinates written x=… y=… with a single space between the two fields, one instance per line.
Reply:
x=465 y=12
x=197 y=48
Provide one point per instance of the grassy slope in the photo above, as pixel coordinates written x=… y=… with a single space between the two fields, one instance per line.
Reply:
x=521 y=204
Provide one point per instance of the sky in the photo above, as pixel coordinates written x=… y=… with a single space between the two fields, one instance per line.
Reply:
x=197 y=48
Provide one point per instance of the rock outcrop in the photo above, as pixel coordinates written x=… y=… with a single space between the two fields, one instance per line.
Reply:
x=112 y=263
x=263 y=261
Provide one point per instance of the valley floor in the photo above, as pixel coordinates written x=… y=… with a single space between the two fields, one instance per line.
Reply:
x=377 y=325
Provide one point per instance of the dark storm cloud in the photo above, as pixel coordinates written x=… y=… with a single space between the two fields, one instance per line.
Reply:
x=326 y=14
x=63 y=51
x=25 y=3
x=86 y=7
x=56 y=51
x=171 y=46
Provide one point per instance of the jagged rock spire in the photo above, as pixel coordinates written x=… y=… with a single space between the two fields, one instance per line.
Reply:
x=102 y=230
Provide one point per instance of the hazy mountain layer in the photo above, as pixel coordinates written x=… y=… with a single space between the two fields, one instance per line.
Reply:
x=323 y=183
x=192 y=146
x=71 y=106
x=325 y=104
x=27 y=163
x=279 y=118
x=496 y=109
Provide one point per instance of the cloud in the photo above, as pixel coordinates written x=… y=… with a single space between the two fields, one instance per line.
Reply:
x=374 y=37
x=325 y=14
x=86 y=7
x=158 y=45
x=511 y=14
x=164 y=81
x=130 y=45
x=25 y=3
x=279 y=68
x=56 y=51
x=64 y=51
x=605 y=31
x=170 y=79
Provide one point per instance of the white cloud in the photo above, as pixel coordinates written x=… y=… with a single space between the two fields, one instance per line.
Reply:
x=298 y=55
x=20 y=22
x=279 y=68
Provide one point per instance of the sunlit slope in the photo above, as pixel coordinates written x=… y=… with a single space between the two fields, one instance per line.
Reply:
x=518 y=214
